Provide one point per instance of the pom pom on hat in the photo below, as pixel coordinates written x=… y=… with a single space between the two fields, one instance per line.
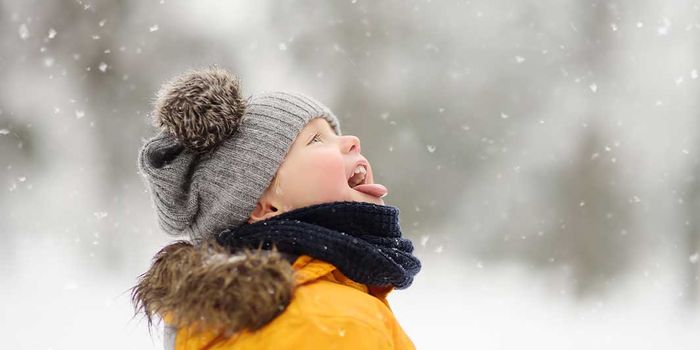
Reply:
x=200 y=107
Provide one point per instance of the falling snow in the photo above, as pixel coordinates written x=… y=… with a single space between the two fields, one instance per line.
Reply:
x=581 y=200
x=424 y=240
x=23 y=31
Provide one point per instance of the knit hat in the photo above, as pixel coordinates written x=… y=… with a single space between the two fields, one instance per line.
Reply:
x=216 y=153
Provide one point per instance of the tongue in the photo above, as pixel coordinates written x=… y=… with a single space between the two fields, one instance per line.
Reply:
x=375 y=190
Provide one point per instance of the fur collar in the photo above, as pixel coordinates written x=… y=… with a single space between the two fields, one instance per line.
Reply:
x=207 y=287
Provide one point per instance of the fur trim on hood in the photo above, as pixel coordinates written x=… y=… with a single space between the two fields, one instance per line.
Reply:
x=208 y=287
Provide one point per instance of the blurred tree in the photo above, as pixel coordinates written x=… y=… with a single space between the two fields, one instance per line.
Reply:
x=18 y=159
x=582 y=226
x=595 y=237
x=586 y=228
x=691 y=259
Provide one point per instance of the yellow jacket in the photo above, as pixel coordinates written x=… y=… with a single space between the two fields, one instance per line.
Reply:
x=326 y=310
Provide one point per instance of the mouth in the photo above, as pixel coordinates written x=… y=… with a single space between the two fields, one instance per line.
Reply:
x=359 y=174
x=360 y=179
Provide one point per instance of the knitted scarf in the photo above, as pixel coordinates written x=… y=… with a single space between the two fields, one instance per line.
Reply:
x=363 y=240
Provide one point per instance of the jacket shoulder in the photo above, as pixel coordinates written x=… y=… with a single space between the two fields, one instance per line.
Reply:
x=331 y=303
x=326 y=298
x=326 y=315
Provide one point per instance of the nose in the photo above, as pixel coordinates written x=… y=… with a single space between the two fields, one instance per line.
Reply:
x=351 y=144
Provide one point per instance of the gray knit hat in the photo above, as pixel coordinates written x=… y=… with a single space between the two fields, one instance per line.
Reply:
x=216 y=153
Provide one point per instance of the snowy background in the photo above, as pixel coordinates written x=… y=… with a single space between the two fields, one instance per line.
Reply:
x=544 y=156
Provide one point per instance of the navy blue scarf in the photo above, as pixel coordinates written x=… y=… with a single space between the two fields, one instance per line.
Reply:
x=363 y=240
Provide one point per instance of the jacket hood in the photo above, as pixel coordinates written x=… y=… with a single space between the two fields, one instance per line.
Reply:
x=207 y=287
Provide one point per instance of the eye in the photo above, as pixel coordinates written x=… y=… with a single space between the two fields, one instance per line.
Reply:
x=314 y=138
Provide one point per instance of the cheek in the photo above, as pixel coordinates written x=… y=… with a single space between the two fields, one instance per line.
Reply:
x=328 y=172
x=316 y=177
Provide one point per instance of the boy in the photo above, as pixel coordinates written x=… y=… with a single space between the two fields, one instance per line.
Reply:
x=271 y=172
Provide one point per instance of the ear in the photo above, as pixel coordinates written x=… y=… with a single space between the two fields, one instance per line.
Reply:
x=263 y=210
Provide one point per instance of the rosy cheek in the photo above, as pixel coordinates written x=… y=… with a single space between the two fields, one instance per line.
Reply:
x=329 y=172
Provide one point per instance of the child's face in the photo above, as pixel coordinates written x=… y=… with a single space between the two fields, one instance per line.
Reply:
x=316 y=170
